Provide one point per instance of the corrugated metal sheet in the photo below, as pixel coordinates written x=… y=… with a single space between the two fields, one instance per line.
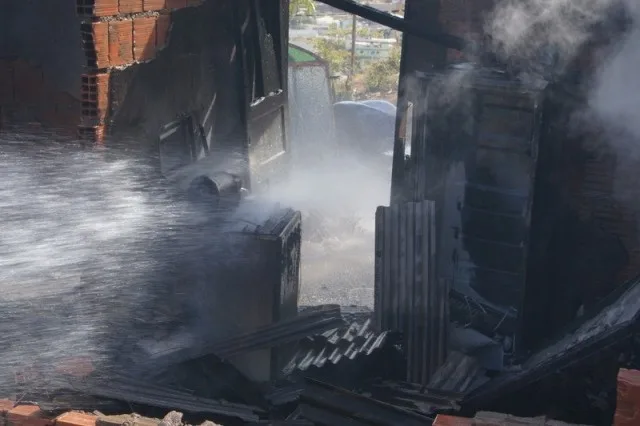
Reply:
x=334 y=346
x=408 y=297
x=328 y=405
x=310 y=322
x=417 y=397
x=460 y=373
x=134 y=391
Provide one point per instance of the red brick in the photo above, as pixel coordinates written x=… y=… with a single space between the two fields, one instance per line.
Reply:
x=74 y=418
x=28 y=83
x=105 y=7
x=153 y=5
x=100 y=32
x=130 y=6
x=442 y=420
x=176 y=4
x=628 y=400
x=6 y=82
x=5 y=406
x=163 y=25
x=95 y=103
x=27 y=415
x=144 y=38
x=120 y=42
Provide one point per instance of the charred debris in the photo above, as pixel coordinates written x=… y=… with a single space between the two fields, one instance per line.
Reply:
x=493 y=283
x=431 y=346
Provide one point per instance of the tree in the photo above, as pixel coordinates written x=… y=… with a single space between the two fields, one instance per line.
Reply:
x=334 y=52
x=382 y=75
x=297 y=6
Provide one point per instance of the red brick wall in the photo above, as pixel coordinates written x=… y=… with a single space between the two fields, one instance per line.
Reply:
x=118 y=33
x=115 y=34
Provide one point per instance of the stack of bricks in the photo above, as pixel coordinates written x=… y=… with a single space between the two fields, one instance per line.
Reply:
x=496 y=419
x=117 y=34
x=628 y=398
x=12 y=414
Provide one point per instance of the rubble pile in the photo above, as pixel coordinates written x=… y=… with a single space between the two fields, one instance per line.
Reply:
x=12 y=414
x=350 y=373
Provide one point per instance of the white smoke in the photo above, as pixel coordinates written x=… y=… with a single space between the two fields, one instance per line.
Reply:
x=528 y=31
x=524 y=31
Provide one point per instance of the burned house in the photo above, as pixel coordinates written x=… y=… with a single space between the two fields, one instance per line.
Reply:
x=195 y=90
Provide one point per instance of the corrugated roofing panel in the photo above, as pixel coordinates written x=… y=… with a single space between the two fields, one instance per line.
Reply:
x=408 y=296
x=336 y=345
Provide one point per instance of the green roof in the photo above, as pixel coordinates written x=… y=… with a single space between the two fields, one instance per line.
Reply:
x=298 y=54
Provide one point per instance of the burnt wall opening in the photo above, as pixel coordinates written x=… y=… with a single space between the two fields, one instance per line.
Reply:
x=196 y=75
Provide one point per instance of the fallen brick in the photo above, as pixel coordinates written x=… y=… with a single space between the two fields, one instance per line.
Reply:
x=130 y=6
x=126 y=420
x=75 y=418
x=120 y=43
x=144 y=38
x=442 y=420
x=27 y=415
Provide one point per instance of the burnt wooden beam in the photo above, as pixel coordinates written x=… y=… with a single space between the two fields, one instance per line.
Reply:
x=399 y=24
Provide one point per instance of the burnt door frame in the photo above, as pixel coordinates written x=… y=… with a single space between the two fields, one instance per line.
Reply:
x=262 y=106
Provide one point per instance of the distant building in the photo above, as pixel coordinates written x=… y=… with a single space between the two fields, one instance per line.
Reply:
x=373 y=49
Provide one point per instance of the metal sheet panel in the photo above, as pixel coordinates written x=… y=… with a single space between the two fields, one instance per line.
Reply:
x=408 y=297
x=310 y=112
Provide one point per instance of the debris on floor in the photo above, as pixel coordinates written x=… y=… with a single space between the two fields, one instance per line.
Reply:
x=339 y=367
x=497 y=419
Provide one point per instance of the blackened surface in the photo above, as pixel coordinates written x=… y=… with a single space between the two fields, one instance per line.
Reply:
x=196 y=74
x=330 y=405
x=417 y=56
x=475 y=154
x=45 y=34
x=575 y=256
x=575 y=370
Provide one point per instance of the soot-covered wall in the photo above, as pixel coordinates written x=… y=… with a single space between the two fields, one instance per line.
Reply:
x=41 y=60
x=195 y=74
